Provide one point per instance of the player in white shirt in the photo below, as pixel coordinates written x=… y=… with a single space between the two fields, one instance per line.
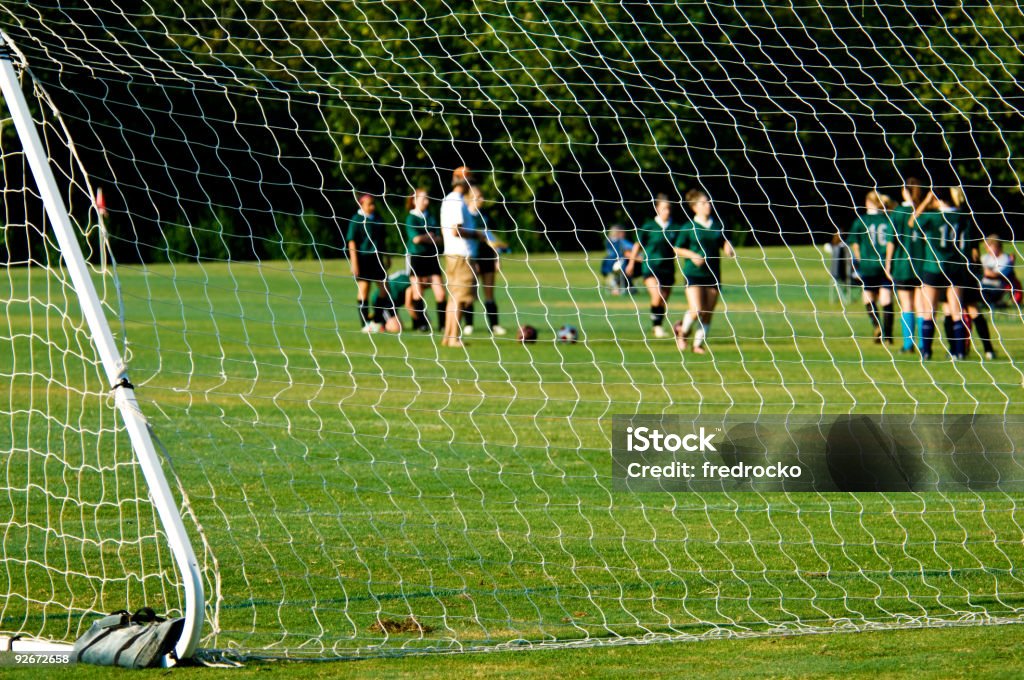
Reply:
x=458 y=229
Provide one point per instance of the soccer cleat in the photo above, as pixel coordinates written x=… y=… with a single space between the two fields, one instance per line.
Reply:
x=878 y=335
x=926 y=356
x=659 y=332
x=990 y=356
x=468 y=330
x=699 y=349
x=371 y=327
x=498 y=330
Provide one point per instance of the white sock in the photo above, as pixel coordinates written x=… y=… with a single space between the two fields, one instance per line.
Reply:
x=702 y=332
x=688 y=324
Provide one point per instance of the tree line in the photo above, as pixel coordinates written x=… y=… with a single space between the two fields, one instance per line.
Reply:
x=246 y=130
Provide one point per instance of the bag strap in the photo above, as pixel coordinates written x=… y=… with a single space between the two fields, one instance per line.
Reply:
x=146 y=615
x=131 y=641
x=108 y=624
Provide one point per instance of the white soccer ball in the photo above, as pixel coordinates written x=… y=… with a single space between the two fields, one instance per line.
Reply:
x=567 y=334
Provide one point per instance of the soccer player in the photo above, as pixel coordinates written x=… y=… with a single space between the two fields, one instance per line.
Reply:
x=365 y=237
x=700 y=243
x=422 y=237
x=903 y=258
x=399 y=289
x=998 y=275
x=655 y=248
x=971 y=291
x=869 y=237
x=486 y=264
x=617 y=248
x=944 y=268
x=460 y=242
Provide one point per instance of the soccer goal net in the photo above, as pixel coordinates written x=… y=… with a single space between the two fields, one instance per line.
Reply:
x=350 y=490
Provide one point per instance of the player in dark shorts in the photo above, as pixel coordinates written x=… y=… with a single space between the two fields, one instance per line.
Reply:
x=365 y=237
x=970 y=292
x=700 y=244
x=486 y=264
x=655 y=251
x=903 y=261
x=869 y=238
x=422 y=240
x=944 y=269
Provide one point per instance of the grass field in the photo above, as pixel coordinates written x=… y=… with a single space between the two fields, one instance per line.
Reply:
x=944 y=654
x=345 y=482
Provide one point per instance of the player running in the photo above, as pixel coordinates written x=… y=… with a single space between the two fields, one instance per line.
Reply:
x=700 y=243
x=903 y=259
x=656 y=241
x=422 y=237
x=365 y=237
x=944 y=268
x=869 y=238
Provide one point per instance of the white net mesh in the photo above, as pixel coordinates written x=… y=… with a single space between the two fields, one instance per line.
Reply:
x=80 y=534
x=369 y=493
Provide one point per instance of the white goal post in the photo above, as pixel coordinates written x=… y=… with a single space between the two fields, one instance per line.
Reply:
x=116 y=370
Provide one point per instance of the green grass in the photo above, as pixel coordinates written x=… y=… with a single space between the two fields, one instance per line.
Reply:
x=947 y=653
x=340 y=479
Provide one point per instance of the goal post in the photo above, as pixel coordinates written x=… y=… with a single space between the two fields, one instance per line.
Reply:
x=113 y=364
x=357 y=487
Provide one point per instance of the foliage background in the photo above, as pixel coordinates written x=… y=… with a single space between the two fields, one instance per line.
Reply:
x=248 y=128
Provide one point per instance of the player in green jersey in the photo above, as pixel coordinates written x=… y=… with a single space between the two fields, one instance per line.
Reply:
x=399 y=290
x=902 y=261
x=944 y=268
x=868 y=238
x=365 y=237
x=655 y=251
x=700 y=244
x=422 y=241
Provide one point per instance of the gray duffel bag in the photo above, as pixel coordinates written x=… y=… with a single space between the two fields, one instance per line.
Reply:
x=139 y=640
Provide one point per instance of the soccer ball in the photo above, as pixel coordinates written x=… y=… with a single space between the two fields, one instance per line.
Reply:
x=567 y=334
x=393 y=325
x=527 y=334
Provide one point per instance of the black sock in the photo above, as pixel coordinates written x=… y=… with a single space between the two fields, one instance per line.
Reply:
x=657 y=314
x=383 y=303
x=958 y=345
x=491 y=308
x=947 y=329
x=442 y=315
x=873 y=314
x=980 y=326
x=421 y=313
x=468 y=314
x=888 y=319
x=927 y=337
x=364 y=311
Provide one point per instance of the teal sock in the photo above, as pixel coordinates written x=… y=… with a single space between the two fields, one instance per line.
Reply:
x=907 y=322
x=920 y=332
